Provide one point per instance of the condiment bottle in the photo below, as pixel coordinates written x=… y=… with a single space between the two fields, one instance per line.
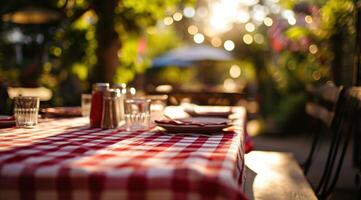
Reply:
x=96 y=108
x=110 y=114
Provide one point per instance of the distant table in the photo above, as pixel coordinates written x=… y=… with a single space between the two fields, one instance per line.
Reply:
x=65 y=159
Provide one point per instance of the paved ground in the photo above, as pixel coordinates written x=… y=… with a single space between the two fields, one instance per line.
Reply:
x=299 y=144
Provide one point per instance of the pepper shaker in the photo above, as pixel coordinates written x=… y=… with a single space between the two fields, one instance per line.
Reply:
x=110 y=114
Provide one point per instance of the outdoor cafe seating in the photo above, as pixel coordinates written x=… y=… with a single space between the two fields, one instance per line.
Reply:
x=180 y=100
x=64 y=157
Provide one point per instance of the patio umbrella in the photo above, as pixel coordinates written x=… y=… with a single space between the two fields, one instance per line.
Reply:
x=187 y=55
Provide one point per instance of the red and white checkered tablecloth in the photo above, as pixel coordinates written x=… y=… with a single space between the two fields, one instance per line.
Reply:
x=65 y=159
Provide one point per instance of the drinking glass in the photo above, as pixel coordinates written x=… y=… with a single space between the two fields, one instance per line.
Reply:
x=85 y=104
x=158 y=104
x=26 y=111
x=137 y=114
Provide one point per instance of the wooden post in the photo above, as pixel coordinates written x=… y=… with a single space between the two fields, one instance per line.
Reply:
x=108 y=42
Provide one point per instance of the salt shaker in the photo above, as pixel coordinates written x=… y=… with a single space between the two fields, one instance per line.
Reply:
x=110 y=114
x=96 y=108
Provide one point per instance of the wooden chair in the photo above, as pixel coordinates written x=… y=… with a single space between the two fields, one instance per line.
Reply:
x=339 y=121
x=327 y=94
x=355 y=96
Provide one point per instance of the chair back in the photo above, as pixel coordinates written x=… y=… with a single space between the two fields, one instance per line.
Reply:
x=339 y=119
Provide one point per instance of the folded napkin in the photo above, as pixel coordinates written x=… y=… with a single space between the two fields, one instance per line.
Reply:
x=209 y=111
x=198 y=121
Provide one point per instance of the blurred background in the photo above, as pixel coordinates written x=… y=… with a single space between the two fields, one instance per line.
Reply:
x=261 y=54
x=268 y=52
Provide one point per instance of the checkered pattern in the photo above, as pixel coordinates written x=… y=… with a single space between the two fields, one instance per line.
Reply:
x=65 y=159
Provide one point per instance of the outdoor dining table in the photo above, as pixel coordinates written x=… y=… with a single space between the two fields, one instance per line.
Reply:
x=63 y=158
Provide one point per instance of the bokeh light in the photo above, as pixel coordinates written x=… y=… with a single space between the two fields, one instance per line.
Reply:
x=192 y=29
x=216 y=42
x=189 y=12
x=202 y=12
x=316 y=75
x=243 y=16
x=313 y=49
x=177 y=16
x=308 y=19
x=258 y=38
x=198 y=38
x=291 y=21
x=229 y=85
x=235 y=71
x=168 y=21
x=248 y=39
x=250 y=27
x=229 y=45
x=268 y=21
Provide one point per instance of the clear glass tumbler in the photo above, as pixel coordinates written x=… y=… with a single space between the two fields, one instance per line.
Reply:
x=26 y=111
x=137 y=114
x=158 y=104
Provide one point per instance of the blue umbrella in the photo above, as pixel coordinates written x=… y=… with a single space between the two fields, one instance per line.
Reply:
x=168 y=61
x=187 y=55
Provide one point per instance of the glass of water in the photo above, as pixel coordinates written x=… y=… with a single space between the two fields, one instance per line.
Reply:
x=158 y=104
x=137 y=114
x=26 y=111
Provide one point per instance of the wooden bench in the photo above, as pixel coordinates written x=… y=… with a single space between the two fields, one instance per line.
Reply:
x=275 y=176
